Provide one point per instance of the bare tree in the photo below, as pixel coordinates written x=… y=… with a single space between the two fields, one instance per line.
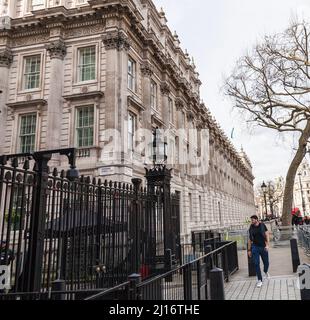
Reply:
x=271 y=87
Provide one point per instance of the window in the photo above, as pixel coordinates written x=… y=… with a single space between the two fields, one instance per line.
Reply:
x=153 y=94
x=85 y=126
x=131 y=131
x=27 y=133
x=183 y=120
x=87 y=64
x=32 y=72
x=170 y=110
x=131 y=75
x=36 y=4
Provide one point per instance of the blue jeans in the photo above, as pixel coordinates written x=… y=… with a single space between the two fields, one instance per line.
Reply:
x=256 y=253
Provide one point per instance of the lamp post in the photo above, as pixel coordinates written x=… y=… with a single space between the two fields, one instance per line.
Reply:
x=302 y=194
x=159 y=149
x=271 y=198
x=264 y=189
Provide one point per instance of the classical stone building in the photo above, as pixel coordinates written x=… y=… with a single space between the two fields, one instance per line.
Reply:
x=72 y=69
x=301 y=197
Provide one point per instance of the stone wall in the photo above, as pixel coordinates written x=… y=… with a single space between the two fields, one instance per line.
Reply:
x=135 y=29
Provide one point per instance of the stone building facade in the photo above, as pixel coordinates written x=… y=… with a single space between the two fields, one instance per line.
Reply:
x=301 y=198
x=302 y=189
x=72 y=69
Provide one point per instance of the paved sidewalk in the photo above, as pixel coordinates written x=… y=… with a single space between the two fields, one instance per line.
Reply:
x=281 y=286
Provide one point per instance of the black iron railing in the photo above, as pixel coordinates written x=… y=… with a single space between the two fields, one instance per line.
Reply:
x=187 y=282
x=59 y=228
x=304 y=238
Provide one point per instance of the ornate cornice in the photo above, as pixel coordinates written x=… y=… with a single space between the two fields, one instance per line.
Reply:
x=147 y=69
x=56 y=49
x=165 y=88
x=6 y=58
x=116 y=40
x=179 y=104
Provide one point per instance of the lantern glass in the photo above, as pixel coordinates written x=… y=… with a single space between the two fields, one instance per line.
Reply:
x=264 y=187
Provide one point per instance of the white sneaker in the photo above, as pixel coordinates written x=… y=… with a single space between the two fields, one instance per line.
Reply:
x=267 y=275
x=259 y=284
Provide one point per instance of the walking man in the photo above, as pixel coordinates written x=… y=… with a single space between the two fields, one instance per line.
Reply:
x=258 y=246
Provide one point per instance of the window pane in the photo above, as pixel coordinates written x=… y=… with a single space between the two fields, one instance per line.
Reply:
x=27 y=133
x=87 y=64
x=32 y=72
x=131 y=75
x=131 y=131
x=85 y=126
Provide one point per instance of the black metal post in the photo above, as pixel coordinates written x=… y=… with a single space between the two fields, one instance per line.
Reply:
x=133 y=292
x=136 y=262
x=187 y=282
x=58 y=285
x=37 y=224
x=265 y=200
x=217 y=291
x=295 y=254
x=168 y=264
x=251 y=266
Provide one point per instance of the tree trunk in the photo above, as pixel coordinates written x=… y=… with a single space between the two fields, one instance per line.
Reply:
x=291 y=174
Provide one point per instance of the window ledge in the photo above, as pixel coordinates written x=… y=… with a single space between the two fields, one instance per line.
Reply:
x=80 y=96
x=132 y=99
x=30 y=103
x=26 y=91
x=84 y=83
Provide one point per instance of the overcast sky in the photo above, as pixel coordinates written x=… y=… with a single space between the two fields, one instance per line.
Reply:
x=216 y=34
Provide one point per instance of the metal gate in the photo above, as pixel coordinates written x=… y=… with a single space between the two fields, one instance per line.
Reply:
x=86 y=233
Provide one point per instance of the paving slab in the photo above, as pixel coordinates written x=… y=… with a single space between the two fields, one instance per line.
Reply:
x=281 y=285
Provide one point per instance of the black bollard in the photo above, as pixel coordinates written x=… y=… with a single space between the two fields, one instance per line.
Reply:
x=251 y=266
x=217 y=291
x=58 y=285
x=295 y=254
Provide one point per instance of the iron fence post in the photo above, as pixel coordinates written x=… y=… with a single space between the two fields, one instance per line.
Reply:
x=136 y=262
x=226 y=263
x=58 y=285
x=217 y=291
x=187 y=282
x=134 y=292
x=168 y=263
x=37 y=223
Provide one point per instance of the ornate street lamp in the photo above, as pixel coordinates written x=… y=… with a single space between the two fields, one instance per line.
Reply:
x=159 y=186
x=264 y=190
x=271 y=198
x=159 y=149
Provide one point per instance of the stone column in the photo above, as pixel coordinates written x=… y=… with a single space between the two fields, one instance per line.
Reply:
x=179 y=109
x=6 y=59
x=147 y=72
x=116 y=44
x=165 y=90
x=57 y=52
